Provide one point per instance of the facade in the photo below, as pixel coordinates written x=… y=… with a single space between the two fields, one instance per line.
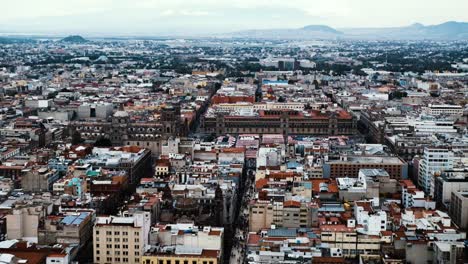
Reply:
x=434 y=161
x=183 y=255
x=122 y=132
x=444 y=109
x=121 y=239
x=23 y=223
x=349 y=166
x=39 y=179
x=459 y=208
x=288 y=214
x=449 y=181
x=286 y=122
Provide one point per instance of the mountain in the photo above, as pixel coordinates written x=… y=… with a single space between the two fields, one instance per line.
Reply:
x=446 y=31
x=321 y=28
x=450 y=30
x=74 y=39
x=307 y=32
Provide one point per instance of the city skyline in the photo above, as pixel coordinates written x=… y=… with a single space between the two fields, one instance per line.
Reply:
x=152 y=17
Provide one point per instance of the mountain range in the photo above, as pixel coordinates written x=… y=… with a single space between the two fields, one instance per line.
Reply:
x=446 y=31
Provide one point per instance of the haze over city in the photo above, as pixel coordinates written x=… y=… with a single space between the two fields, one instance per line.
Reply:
x=196 y=17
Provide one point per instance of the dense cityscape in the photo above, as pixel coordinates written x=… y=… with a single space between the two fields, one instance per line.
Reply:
x=233 y=150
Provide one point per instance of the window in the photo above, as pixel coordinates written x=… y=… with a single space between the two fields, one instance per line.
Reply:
x=97 y=232
x=137 y=240
x=137 y=233
x=117 y=233
x=109 y=233
x=97 y=245
x=137 y=246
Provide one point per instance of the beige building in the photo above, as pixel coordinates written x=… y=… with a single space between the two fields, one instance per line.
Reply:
x=290 y=214
x=23 y=222
x=349 y=241
x=121 y=239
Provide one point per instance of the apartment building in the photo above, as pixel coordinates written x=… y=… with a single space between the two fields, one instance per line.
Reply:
x=459 y=209
x=288 y=214
x=121 y=239
x=434 y=161
x=350 y=242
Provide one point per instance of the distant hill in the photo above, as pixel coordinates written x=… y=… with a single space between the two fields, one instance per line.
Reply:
x=74 y=39
x=446 y=31
x=450 y=30
x=321 y=28
x=307 y=32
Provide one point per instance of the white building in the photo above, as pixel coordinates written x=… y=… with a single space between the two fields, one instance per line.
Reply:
x=372 y=221
x=444 y=109
x=434 y=160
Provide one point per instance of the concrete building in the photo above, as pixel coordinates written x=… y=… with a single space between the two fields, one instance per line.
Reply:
x=183 y=255
x=449 y=181
x=459 y=208
x=38 y=179
x=444 y=109
x=23 y=222
x=349 y=166
x=95 y=110
x=291 y=122
x=121 y=239
x=434 y=161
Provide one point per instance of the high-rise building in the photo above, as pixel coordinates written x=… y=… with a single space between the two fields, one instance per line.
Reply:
x=434 y=161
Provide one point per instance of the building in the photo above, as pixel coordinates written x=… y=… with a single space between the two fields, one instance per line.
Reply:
x=23 y=222
x=185 y=243
x=444 y=109
x=434 y=161
x=449 y=181
x=289 y=122
x=459 y=208
x=121 y=239
x=183 y=255
x=95 y=110
x=123 y=132
x=349 y=166
x=39 y=179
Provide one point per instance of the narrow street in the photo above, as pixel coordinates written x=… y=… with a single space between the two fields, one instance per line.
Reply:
x=238 y=251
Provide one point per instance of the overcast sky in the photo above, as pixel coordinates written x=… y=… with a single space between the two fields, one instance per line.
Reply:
x=214 y=16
